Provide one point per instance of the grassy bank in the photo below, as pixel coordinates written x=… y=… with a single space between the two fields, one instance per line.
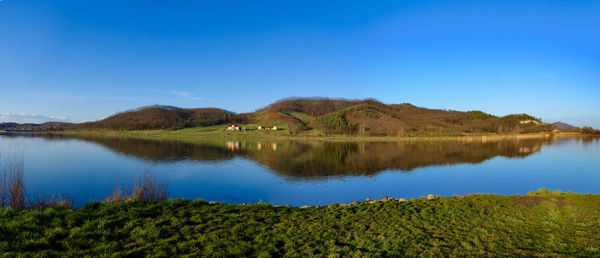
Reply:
x=213 y=132
x=539 y=224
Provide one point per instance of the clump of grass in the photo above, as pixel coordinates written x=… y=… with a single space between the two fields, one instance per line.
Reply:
x=146 y=187
x=117 y=195
x=50 y=201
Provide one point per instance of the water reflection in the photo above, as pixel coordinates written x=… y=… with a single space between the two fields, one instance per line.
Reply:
x=314 y=160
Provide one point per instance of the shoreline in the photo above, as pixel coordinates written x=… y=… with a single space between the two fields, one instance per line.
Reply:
x=107 y=201
x=160 y=134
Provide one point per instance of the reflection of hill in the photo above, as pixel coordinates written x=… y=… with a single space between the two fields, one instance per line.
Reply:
x=368 y=158
x=314 y=160
x=164 y=151
x=155 y=150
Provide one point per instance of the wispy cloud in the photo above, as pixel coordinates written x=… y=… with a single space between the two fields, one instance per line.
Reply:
x=31 y=118
x=184 y=94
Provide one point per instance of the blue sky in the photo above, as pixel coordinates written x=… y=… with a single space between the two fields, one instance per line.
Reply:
x=85 y=60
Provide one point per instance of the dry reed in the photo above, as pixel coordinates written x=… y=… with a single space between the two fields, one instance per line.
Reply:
x=51 y=201
x=146 y=187
x=12 y=187
x=12 y=191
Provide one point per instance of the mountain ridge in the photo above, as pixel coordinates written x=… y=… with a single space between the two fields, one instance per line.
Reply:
x=564 y=126
x=366 y=117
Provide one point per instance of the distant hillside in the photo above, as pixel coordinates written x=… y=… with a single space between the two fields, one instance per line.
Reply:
x=34 y=127
x=319 y=116
x=310 y=106
x=17 y=127
x=564 y=126
x=373 y=118
x=299 y=113
x=165 y=117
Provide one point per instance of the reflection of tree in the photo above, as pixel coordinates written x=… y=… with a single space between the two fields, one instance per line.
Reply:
x=314 y=160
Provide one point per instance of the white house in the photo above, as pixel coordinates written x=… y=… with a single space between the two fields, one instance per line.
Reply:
x=233 y=127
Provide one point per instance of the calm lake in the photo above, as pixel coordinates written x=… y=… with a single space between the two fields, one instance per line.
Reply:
x=304 y=172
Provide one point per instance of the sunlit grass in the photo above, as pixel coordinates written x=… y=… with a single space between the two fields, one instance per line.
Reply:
x=541 y=223
x=313 y=134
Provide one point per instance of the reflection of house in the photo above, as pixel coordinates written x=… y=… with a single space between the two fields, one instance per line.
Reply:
x=272 y=146
x=274 y=128
x=233 y=146
x=233 y=127
x=530 y=122
x=529 y=149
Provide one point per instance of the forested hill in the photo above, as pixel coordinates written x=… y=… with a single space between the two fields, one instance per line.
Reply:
x=328 y=116
x=165 y=117
x=373 y=118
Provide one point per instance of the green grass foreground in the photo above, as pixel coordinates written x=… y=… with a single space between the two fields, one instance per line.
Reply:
x=539 y=224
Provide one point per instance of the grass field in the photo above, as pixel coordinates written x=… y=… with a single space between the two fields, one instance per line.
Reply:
x=541 y=223
x=218 y=132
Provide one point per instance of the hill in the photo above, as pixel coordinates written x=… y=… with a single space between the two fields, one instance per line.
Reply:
x=298 y=114
x=17 y=127
x=310 y=106
x=35 y=127
x=165 y=117
x=373 y=118
x=564 y=126
x=318 y=116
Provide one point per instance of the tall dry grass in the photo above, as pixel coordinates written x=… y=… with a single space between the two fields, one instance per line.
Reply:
x=12 y=187
x=49 y=201
x=12 y=183
x=118 y=194
x=146 y=187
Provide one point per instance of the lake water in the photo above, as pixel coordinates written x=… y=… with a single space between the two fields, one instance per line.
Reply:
x=304 y=172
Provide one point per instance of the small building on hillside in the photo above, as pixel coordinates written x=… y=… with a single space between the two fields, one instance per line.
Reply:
x=233 y=127
x=273 y=128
